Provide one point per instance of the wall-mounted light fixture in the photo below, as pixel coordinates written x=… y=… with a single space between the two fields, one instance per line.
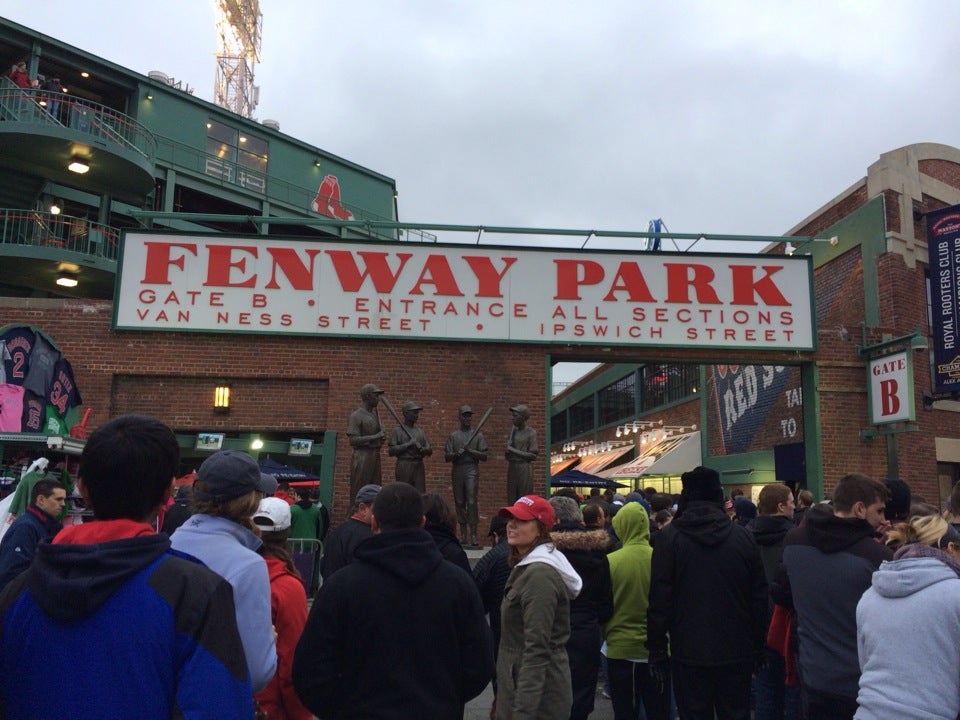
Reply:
x=316 y=163
x=636 y=426
x=67 y=279
x=55 y=208
x=221 y=399
x=78 y=165
x=671 y=429
x=257 y=444
x=149 y=96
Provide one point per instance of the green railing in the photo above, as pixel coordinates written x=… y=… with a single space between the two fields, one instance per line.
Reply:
x=62 y=110
x=229 y=173
x=46 y=230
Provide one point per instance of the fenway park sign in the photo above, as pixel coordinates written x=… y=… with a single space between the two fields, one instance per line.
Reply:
x=218 y=283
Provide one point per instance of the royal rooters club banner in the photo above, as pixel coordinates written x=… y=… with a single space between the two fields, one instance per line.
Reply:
x=217 y=283
x=943 y=240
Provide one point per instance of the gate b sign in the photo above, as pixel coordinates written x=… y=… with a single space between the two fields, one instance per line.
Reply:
x=890 y=386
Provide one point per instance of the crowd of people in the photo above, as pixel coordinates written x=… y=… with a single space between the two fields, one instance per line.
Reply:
x=697 y=606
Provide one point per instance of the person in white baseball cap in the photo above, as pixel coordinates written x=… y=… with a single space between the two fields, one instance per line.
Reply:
x=272 y=516
x=288 y=605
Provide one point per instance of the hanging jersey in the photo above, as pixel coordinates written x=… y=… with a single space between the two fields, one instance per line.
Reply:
x=32 y=419
x=19 y=343
x=53 y=424
x=11 y=407
x=63 y=391
x=4 y=357
x=42 y=359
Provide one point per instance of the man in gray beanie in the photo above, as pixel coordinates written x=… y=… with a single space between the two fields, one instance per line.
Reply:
x=706 y=571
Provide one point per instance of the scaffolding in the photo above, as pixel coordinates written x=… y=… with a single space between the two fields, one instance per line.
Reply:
x=239 y=25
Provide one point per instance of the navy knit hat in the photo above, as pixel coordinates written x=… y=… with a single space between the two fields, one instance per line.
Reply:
x=898 y=506
x=744 y=509
x=701 y=483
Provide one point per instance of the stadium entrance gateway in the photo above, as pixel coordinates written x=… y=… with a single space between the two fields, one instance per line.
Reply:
x=747 y=311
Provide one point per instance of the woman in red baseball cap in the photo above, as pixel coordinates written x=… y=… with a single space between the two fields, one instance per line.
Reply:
x=533 y=675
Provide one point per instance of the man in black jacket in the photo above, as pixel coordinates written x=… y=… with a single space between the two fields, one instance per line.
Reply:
x=828 y=563
x=339 y=548
x=775 y=506
x=709 y=594
x=399 y=632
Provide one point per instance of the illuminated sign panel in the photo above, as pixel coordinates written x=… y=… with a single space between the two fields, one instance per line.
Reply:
x=218 y=283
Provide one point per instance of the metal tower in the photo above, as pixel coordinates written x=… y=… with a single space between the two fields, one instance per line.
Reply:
x=239 y=23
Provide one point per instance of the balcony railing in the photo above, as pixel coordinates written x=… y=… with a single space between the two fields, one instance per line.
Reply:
x=46 y=230
x=229 y=173
x=53 y=109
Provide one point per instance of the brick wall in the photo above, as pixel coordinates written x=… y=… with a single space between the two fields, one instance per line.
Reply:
x=295 y=383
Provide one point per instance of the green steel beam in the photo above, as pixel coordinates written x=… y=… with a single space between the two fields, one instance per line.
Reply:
x=504 y=230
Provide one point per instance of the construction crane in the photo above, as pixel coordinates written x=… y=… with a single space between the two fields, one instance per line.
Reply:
x=239 y=23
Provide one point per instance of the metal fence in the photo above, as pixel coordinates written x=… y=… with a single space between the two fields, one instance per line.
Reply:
x=53 y=109
x=47 y=230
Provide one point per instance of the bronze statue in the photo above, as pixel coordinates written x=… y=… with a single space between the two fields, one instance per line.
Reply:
x=365 y=434
x=521 y=452
x=409 y=445
x=466 y=448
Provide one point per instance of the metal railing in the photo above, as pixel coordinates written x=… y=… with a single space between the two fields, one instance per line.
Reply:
x=230 y=173
x=54 y=109
x=46 y=230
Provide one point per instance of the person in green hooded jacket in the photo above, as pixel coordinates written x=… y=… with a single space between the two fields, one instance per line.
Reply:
x=631 y=684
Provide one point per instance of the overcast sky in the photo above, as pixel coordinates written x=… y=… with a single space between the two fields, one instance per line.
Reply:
x=725 y=117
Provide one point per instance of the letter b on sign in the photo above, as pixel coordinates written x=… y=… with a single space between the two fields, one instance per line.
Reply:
x=889 y=402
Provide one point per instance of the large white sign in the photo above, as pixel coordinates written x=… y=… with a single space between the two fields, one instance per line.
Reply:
x=217 y=283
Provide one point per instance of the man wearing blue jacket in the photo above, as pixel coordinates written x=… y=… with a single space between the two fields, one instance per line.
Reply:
x=107 y=621
x=40 y=521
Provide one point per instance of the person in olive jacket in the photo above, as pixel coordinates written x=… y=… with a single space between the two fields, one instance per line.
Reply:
x=533 y=675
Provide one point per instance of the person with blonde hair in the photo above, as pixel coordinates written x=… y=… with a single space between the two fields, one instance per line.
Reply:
x=919 y=679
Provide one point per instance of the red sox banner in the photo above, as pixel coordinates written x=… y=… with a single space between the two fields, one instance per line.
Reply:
x=217 y=283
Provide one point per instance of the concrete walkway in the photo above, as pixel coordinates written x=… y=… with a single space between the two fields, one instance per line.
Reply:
x=479 y=707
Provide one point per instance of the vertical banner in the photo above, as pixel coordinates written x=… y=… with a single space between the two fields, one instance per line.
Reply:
x=943 y=240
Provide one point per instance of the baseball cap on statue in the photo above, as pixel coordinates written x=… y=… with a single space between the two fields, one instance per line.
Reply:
x=273 y=514
x=411 y=405
x=530 y=507
x=466 y=410
x=228 y=474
